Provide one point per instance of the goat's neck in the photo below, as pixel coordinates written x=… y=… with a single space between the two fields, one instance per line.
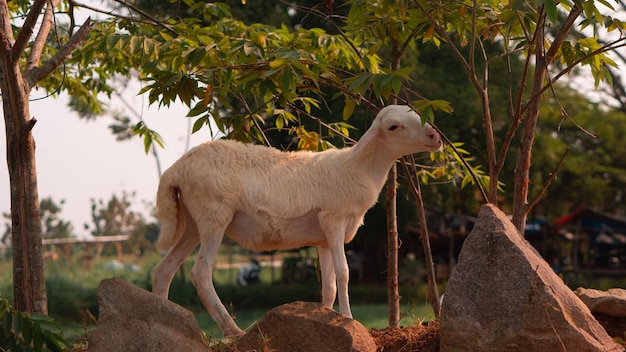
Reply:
x=375 y=160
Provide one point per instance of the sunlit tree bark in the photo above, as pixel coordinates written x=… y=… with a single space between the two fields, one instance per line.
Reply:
x=17 y=78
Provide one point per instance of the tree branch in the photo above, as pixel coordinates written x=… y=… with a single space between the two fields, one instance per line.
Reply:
x=151 y=21
x=42 y=36
x=27 y=29
x=6 y=31
x=544 y=189
x=35 y=74
x=605 y=48
x=557 y=43
x=431 y=278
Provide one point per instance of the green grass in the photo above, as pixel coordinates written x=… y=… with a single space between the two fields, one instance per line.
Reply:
x=372 y=316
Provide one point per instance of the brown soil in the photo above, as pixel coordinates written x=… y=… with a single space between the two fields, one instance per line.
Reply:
x=425 y=338
x=418 y=338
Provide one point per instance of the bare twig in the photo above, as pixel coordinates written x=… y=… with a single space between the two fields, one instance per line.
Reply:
x=430 y=265
x=465 y=163
x=322 y=123
x=151 y=20
x=547 y=184
x=243 y=102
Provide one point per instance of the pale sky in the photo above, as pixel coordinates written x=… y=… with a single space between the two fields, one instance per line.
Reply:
x=78 y=160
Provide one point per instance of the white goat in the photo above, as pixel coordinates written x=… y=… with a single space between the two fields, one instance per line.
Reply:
x=266 y=199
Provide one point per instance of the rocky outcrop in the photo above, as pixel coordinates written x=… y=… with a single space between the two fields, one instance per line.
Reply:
x=608 y=307
x=133 y=319
x=611 y=302
x=306 y=326
x=502 y=296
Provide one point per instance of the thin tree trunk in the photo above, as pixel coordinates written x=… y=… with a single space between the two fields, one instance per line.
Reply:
x=431 y=278
x=522 y=168
x=543 y=58
x=29 y=287
x=393 y=295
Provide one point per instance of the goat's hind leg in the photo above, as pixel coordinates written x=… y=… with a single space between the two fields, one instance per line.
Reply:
x=163 y=273
x=202 y=277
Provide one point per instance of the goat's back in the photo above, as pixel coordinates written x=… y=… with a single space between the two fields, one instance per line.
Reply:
x=283 y=184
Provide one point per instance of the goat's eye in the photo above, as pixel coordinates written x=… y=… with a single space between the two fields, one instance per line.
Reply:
x=392 y=127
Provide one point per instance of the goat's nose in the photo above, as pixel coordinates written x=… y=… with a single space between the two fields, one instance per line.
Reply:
x=433 y=135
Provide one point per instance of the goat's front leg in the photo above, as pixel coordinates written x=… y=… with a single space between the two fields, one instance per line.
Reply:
x=327 y=269
x=342 y=273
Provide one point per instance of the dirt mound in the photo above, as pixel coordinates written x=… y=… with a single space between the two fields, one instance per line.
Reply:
x=417 y=338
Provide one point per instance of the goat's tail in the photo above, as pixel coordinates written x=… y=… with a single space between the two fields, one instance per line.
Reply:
x=170 y=212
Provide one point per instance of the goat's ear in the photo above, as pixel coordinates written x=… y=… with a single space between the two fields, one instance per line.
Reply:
x=368 y=138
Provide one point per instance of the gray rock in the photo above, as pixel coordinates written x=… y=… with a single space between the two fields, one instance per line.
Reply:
x=502 y=296
x=306 y=326
x=611 y=302
x=133 y=319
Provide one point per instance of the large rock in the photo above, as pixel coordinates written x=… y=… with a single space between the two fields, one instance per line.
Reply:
x=502 y=296
x=608 y=307
x=305 y=326
x=133 y=319
x=611 y=302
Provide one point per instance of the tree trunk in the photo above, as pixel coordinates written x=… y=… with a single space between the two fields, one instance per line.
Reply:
x=522 y=168
x=29 y=287
x=543 y=58
x=393 y=296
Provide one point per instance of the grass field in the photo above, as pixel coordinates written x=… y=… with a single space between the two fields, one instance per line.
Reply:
x=371 y=316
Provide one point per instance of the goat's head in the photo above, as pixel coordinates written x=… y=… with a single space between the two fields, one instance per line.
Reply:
x=403 y=132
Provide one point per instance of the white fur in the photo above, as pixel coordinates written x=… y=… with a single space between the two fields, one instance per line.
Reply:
x=266 y=199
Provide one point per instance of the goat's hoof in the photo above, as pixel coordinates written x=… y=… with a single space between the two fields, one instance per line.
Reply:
x=233 y=334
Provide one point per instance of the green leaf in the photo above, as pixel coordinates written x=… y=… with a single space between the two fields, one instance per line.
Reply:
x=165 y=35
x=27 y=330
x=7 y=321
x=278 y=63
x=551 y=11
x=198 y=109
x=55 y=342
x=38 y=339
x=4 y=306
x=17 y=323
x=361 y=82
x=287 y=82
x=280 y=122
x=199 y=123
x=348 y=109
x=46 y=323
x=396 y=84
